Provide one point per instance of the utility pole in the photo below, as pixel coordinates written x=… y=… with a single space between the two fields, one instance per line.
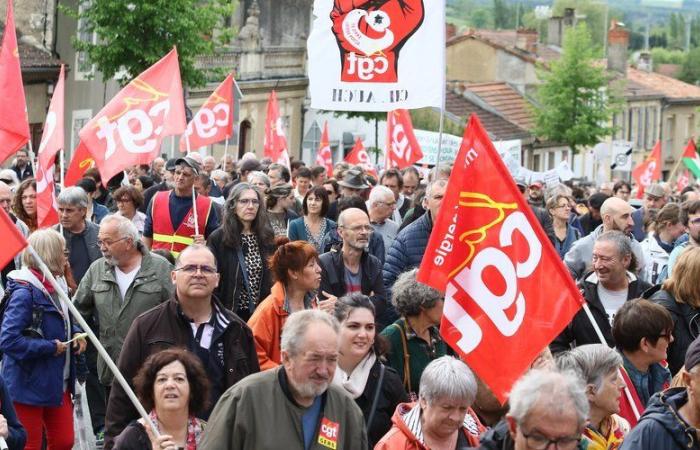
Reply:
x=688 y=21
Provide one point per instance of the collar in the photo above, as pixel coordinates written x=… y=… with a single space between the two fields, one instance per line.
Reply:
x=593 y=278
x=218 y=319
x=283 y=380
x=308 y=301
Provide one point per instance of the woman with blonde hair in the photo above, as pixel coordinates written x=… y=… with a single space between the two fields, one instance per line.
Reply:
x=680 y=295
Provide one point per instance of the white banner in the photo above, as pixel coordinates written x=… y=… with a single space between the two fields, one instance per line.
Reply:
x=429 y=140
x=621 y=156
x=368 y=55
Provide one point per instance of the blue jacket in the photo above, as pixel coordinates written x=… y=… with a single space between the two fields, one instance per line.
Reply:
x=661 y=427
x=17 y=436
x=297 y=230
x=30 y=368
x=638 y=227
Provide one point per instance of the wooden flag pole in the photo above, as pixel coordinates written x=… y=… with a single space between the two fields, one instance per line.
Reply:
x=95 y=341
x=598 y=331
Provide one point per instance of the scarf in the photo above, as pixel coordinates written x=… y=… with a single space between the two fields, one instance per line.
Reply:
x=412 y=420
x=194 y=430
x=616 y=427
x=43 y=280
x=355 y=382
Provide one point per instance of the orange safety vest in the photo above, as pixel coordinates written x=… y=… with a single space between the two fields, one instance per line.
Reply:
x=164 y=234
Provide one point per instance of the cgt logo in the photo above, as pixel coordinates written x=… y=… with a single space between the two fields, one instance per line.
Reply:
x=370 y=35
x=328 y=434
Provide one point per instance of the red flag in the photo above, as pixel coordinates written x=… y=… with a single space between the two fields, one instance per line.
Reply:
x=129 y=130
x=682 y=181
x=402 y=149
x=324 y=157
x=82 y=161
x=690 y=150
x=359 y=156
x=212 y=123
x=12 y=240
x=648 y=171
x=275 y=145
x=14 y=125
x=507 y=293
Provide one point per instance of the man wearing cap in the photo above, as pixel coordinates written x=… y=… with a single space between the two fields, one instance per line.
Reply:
x=672 y=417
x=535 y=194
x=170 y=218
x=352 y=184
x=654 y=198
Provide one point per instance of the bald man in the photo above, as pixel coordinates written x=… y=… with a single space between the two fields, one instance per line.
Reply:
x=617 y=215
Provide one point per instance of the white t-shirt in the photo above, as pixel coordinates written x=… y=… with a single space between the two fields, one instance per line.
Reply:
x=124 y=280
x=612 y=300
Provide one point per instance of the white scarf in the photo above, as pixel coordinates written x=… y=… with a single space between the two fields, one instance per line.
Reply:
x=355 y=383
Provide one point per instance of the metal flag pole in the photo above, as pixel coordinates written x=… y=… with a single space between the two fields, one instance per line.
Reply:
x=444 y=95
x=194 y=212
x=225 y=154
x=95 y=341
x=62 y=167
x=628 y=394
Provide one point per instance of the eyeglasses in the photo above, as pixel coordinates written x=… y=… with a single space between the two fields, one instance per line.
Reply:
x=358 y=228
x=623 y=192
x=248 y=201
x=538 y=442
x=191 y=269
x=108 y=243
x=389 y=204
x=694 y=221
x=563 y=206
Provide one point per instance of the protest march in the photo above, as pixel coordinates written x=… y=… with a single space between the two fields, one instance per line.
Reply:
x=177 y=275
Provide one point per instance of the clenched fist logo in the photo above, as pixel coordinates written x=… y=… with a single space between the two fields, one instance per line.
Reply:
x=370 y=35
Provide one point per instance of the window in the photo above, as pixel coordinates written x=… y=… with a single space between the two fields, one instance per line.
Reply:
x=536 y=162
x=641 y=135
x=312 y=140
x=550 y=160
x=78 y=120
x=669 y=133
x=628 y=129
x=651 y=126
x=83 y=69
x=689 y=131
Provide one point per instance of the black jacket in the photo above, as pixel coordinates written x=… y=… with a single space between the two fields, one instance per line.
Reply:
x=684 y=321
x=333 y=278
x=166 y=327
x=390 y=396
x=580 y=331
x=232 y=279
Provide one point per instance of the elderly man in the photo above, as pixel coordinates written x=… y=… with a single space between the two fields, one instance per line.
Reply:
x=5 y=203
x=672 y=417
x=655 y=197
x=208 y=164
x=170 y=219
x=294 y=406
x=393 y=179
x=81 y=234
x=353 y=269
x=617 y=215
x=611 y=283
x=406 y=252
x=382 y=205
x=192 y=319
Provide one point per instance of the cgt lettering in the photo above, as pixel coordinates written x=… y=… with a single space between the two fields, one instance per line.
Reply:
x=366 y=67
x=354 y=95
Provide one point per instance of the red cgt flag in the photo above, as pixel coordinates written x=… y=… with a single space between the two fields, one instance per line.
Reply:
x=402 y=149
x=130 y=129
x=213 y=122
x=275 y=142
x=12 y=240
x=359 y=156
x=82 y=161
x=648 y=171
x=14 y=125
x=507 y=294
x=324 y=157
x=51 y=143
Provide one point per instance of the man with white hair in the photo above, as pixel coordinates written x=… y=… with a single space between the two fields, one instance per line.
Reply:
x=81 y=234
x=295 y=405
x=208 y=164
x=381 y=207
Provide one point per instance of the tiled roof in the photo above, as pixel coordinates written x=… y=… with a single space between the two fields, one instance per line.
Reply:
x=505 y=39
x=32 y=56
x=507 y=101
x=497 y=127
x=669 y=87
x=670 y=70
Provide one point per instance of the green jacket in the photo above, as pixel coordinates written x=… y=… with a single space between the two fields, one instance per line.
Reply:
x=98 y=296
x=257 y=414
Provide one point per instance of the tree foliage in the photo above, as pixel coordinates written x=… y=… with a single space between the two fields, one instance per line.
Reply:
x=690 y=71
x=133 y=34
x=575 y=102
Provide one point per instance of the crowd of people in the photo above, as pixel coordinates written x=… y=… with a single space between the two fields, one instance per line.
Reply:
x=251 y=305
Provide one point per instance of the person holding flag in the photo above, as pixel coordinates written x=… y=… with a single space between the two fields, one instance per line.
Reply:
x=172 y=223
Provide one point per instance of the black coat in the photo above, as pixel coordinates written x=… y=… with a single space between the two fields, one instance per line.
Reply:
x=232 y=279
x=372 y=283
x=390 y=396
x=684 y=319
x=580 y=331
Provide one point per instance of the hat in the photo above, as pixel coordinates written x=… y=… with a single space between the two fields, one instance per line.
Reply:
x=249 y=165
x=189 y=162
x=170 y=164
x=353 y=179
x=655 y=190
x=692 y=355
x=87 y=184
x=536 y=184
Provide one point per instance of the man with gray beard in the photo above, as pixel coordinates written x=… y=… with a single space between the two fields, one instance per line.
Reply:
x=351 y=268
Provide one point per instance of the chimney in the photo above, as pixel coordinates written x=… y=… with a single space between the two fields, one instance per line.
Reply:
x=645 y=62
x=569 y=17
x=555 y=31
x=526 y=39
x=450 y=31
x=618 y=41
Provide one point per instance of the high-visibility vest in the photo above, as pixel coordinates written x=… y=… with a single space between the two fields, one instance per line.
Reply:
x=164 y=234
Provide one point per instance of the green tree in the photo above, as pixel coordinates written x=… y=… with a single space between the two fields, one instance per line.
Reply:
x=575 y=101
x=503 y=17
x=690 y=72
x=133 y=34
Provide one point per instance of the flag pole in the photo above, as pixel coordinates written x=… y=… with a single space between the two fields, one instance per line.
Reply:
x=628 y=394
x=31 y=156
x=95 y=341
x=444 y=94
x=194 y=199
x=225 y=152
x=62 y=167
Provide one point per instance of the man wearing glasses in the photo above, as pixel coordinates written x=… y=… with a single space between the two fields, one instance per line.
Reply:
x=170 y=218
x=191 y=319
